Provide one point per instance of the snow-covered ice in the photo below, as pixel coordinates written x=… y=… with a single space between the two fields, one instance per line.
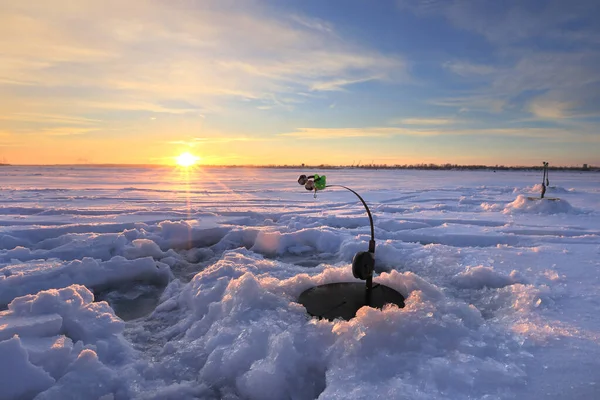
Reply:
x=157 y=283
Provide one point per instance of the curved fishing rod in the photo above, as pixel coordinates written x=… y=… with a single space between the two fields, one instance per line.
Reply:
x=372 y=241
x=363 y=263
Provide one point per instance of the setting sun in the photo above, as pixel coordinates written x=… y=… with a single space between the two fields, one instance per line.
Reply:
x=186 y=160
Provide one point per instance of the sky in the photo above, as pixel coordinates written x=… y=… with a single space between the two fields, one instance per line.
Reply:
x=513 y=82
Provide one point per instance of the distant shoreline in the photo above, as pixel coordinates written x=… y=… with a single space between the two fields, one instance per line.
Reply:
x=425 y=167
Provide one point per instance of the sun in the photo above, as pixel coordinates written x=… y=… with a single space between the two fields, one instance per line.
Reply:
x=186 y=160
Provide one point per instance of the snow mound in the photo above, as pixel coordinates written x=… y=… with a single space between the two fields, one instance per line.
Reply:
x=481 y=277
x=140 y=248
x=63 y=342
x=20 y=279
x=485 y=206
x=305 y=240
x=525 y=205
x=238 y=329
x=537 y=188
x=82 y=319
x=104 y=241
x=19 y=378
x=85 y=375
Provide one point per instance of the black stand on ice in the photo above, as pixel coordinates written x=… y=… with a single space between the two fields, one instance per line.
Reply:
x=545 y=181
x=545 y=185
x=344 y=299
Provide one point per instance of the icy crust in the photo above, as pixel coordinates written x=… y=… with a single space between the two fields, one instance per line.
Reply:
x=480 y=277
x=108 y=240
x=19 y=279
x=525 y=205
x=241 y=333
x=62 y=341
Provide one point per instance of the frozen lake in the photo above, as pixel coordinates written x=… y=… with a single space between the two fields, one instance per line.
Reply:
x=203 y=268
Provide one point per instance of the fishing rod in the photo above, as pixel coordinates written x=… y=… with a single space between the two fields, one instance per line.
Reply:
x=363 y=262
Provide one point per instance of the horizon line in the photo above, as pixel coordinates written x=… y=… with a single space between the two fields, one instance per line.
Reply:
x=330 y=166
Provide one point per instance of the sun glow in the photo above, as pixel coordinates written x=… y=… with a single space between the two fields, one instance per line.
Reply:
x=186 y=160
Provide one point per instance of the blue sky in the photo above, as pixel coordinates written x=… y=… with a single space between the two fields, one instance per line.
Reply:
x=335 y=82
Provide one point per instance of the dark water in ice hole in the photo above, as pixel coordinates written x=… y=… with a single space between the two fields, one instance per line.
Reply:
x=132 y=302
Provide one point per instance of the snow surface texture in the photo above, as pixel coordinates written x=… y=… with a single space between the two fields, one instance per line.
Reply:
x=205 y=267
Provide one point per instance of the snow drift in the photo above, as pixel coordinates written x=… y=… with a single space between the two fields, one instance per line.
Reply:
x=526 y=205
x=19 y=279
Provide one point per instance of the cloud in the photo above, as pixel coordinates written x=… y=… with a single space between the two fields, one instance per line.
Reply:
x=514 y=21
x=482 y=100
x=61 y=119
x=214 y=139
x=550 y=109
x=227 y=139
x=313 y=23
x=424 y=121
x=22 y=126
x=193 y=52
x=25 y=134
x=71 y=68
x=339 y=133
x=582 y=133
x=468 y=69
x=338 y=84
x=564 y=80
x=537 y=47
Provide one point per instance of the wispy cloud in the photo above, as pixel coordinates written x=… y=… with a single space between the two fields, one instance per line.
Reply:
x=551 y=83
x=62 y=119
x=512 y=21
x=216 y=139
x=228 y=139
x=134 y=48
x=553 y=134
x=339 y=84
x=424 y=121
x=550 y=109
x=185 y=59
x=313 y=23
x=539 y=49
x=478 y=101
x=340 y=133
x=467 y=69
x=64 y=131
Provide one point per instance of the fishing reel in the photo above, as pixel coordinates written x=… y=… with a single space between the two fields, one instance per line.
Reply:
x=363 y=262
x=363 y=265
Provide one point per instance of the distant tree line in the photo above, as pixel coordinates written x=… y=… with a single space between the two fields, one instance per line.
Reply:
x=422 y=166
